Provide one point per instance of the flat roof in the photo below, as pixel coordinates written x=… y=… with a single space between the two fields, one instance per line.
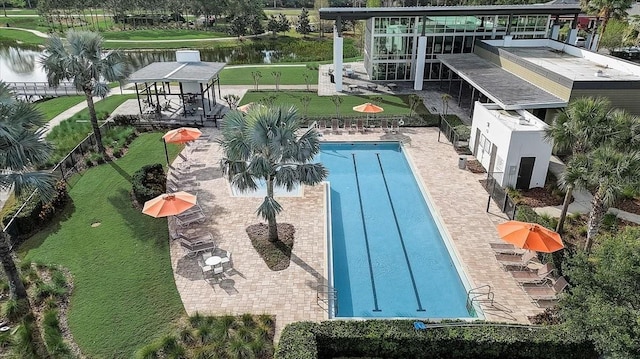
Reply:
x=502 y=87
x=351 y=13
x=201 y=72
x=572 y=67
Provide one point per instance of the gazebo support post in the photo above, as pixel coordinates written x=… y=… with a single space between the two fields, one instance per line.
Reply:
x=204 y=111
x=138 y=96
x=184 y=107
x=155 y=87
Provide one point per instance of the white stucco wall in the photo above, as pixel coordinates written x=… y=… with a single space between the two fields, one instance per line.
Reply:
x=513 y=141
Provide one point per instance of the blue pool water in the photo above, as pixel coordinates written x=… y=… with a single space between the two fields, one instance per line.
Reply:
x=389 y=258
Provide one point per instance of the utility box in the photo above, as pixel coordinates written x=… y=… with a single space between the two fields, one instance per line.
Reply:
x=462 y=162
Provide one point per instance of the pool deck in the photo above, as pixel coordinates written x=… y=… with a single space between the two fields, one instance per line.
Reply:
x=290 y=295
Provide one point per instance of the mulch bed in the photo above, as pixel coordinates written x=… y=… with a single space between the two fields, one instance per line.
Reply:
x=277 y=255
x=631 y=205
x=475 y=167
x=539 y=197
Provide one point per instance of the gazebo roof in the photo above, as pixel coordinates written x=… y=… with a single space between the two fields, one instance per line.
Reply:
x=201 y=72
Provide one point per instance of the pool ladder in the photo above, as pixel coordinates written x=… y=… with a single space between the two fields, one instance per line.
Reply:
x=327 y=297
x=481 y=294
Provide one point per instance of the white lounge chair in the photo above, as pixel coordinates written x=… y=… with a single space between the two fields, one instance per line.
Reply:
x=519 y=261
x=541 y=294
x=540 y=276
x=192 y=250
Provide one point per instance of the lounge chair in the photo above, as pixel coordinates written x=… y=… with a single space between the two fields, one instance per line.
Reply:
x=539 y=294
x=194 y=239
x=322 y=126
x=540 y=276
x=360 y=125
x=193 y=249
x=506 y=248
x=519 y=261
x=348 y=126
x=385 y=125
x=190 y=218
x=335 y=126
x=394 y=126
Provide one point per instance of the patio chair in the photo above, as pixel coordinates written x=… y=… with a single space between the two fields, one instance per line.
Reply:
x=540 y=294
x=189 y=219
x=187 y=177
x=506 y=248
x=394 y=126
x=335 y=126
x=348 y=126
x=192 y=250
x=518 y=261
x=322 y=126
x=226 y=259
x=360 y=125
x=539 y=277
x=385 y=125
x=196 y=238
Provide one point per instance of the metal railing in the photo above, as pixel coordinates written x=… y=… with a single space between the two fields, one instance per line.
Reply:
x=328 y=296
x=43 y=89
x=451 y=134
x=501 y=197
x=481 y=294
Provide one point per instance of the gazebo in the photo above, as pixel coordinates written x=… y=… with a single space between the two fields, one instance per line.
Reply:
x=156 y=90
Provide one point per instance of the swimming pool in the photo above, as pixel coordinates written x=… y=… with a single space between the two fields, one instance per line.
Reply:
x=389 y=258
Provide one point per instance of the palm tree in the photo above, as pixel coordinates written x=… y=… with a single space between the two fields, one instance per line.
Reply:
x=79 y=58
x=579 y=128
x=607 y=9
x=608 y=173
x=445 y=102
x=21 y=149
x=263 y=146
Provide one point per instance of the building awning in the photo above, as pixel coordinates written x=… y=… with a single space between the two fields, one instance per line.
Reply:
x=502 y=87
x=201 y=72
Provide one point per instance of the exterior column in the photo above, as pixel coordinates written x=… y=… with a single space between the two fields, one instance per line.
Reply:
x=573 y=33
x=337 y=58
x=555 y=31
x=418 y=80
x=593 y=45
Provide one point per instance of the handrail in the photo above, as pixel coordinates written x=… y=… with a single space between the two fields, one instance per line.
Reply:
x=478 y=294
x=331 y=298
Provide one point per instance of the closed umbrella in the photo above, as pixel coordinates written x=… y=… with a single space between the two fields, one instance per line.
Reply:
x=169 y=204
x=531 y=236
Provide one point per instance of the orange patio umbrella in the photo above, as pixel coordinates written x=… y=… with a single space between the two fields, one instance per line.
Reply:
x=182 y=135
x=169 y=204
x=368 y=108
x=530 y=236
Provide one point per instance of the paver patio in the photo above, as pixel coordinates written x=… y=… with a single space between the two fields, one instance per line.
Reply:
x=290 y=295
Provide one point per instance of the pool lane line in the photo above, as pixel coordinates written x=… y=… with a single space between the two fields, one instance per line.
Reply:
x=366 y=237
x=404 y=248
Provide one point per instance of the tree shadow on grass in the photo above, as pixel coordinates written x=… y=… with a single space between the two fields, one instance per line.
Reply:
x=120 y=171
x=140 y=224
x=25 y=242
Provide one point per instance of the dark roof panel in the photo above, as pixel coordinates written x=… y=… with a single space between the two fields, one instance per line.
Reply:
x=503 y=88
x=361 y=13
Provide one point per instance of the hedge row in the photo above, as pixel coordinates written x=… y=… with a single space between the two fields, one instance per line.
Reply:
x=397 y=339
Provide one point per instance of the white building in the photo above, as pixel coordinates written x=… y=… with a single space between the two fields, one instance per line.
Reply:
x=511 y=146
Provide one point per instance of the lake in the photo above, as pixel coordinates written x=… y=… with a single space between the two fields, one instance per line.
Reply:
x=20 y=64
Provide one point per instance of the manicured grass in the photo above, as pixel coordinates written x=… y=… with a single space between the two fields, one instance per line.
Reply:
x=30 y=22
x=55 y=106
x=289 y=12
x=124 y=293
x=165 y=45
x=107 y=105
x=22 y=12
x=158 y=34
x=323 y=105
x=11 y=35
x=291 y=75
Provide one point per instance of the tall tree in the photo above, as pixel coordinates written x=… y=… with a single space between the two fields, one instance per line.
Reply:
x=602 y=304
x=608 y=173
x=79 y=58
x=263 y=145
x=579 y=128
x=606 y=10
x=21 y=150
x=304 y=25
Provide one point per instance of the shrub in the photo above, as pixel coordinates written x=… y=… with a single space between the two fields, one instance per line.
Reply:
x=35 y=214
x=148 y=182
x=463 y=131
x=53 y=335
x=397 y=339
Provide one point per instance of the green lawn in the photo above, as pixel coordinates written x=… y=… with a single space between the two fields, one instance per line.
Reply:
x=124 y=293
x=30 y=22
x=322 y=105
x=10 y=35
x=107 y=105
x=55 y=106
x=291 y=75
x=157 y=34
